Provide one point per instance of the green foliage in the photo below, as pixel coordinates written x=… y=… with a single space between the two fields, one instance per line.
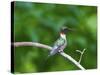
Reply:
x=41 y=22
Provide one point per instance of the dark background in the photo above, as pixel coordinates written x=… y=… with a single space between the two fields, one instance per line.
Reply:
x=41 y=22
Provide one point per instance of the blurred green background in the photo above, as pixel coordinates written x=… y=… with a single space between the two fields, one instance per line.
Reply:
x=41 y=22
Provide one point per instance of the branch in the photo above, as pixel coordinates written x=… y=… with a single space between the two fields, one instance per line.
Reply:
x=81 y=52
x=17 y=44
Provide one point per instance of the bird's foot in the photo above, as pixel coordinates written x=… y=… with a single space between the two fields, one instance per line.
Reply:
x=60 y=51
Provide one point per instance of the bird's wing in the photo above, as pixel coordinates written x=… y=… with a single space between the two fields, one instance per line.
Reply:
x=60 y=42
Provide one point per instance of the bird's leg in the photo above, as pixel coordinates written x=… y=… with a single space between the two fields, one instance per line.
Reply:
x=60 y=51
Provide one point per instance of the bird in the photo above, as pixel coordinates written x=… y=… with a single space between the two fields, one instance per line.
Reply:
x=61 y=42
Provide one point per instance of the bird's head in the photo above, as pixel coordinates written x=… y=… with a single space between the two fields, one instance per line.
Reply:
x=64 y=30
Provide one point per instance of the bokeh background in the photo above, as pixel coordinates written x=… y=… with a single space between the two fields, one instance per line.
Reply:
x=41 y=22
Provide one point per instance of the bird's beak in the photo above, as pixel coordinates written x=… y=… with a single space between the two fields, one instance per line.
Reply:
x=69 y=29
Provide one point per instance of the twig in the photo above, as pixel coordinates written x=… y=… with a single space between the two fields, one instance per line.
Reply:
x=17 y=44
x=81 y=52
x=71 y=59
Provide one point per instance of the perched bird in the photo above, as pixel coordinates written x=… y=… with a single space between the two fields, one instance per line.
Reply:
x=61 y=43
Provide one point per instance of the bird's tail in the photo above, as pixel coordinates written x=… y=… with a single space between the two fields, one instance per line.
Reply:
x=47 y=58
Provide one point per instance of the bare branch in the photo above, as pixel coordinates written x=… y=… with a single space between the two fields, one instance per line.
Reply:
x=18 y=44
x=72 y=60
x=81 y=52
